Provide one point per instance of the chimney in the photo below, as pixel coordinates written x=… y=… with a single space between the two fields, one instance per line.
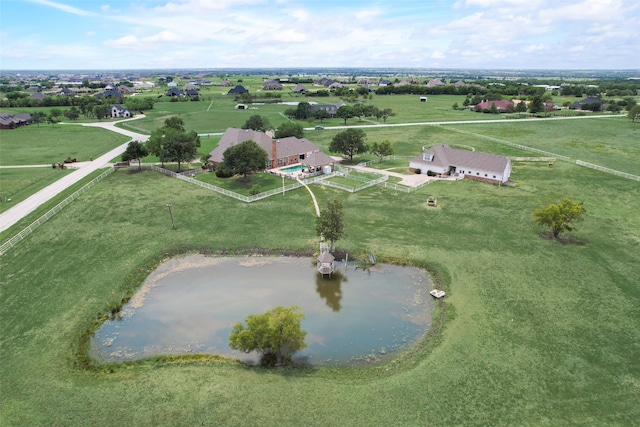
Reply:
x=274 y=152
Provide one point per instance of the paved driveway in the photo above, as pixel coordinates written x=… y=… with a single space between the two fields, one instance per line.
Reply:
x=24 y=208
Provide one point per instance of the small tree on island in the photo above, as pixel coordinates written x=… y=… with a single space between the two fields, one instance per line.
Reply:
x=245 y=158
x=330 y=224
x=135 y=151
x=559 y=218
x=276 y=335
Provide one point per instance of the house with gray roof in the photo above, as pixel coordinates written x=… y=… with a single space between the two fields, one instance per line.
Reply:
x=299 y=88
x=11 y=121
x=445 y=161
x=272 y=85
x=282 y=152
x=332 y=109
x=238 y=90
x=119 y=111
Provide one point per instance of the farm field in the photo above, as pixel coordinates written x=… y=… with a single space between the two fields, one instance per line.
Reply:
x=532 y=331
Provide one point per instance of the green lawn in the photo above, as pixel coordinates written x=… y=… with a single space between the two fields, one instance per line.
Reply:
x=46 y=144
x=240 y=185
x=532 y=331
x=18 y=184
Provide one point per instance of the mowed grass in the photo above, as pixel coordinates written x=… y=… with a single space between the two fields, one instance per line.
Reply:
x=33 y=145
x=532 y=332
x=18 y=184
x=611 y=142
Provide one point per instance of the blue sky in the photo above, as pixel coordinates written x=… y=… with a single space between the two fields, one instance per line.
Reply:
x=147 y=34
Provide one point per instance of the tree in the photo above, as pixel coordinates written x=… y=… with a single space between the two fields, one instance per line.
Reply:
x=171 y=143
x=38 y=117
x=257 y=123
x=276 y=334
x=634 y=113
x=73 y=113
x=345 y=112
x=245 y=157
x=536 y=105
x=135 y=151
x=521 y=107
x=358 y=111
x=174 y=122
x=180 y=146
x=52 y=120
x=304 y=111
x=330 y=224
x=349 y=143
x=289 y=129
x=386 y=113
x=382 y=149
x=560 y=217
x=321 y=114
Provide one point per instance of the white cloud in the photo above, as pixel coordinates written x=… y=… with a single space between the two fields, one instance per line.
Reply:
x=63 y=7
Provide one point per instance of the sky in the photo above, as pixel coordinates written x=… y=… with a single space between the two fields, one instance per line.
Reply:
x=161 y=34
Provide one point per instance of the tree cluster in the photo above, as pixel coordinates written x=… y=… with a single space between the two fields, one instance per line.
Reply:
x=172 y=143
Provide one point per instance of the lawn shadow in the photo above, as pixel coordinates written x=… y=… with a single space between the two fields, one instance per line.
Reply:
x=564 y=240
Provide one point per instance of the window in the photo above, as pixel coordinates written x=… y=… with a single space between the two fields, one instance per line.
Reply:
x=279 y=162
x=485 y=174
x=301 y=156
x=494 y=176
x=478 y=173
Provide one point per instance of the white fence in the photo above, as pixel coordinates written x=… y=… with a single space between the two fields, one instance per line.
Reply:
x=607 y=170
x=511 y=144
x=57 y=208
x=533 y=159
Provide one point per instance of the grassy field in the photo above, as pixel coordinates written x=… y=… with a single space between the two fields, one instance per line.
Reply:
x=45 y=144
x=18 y=184
x=532 y=332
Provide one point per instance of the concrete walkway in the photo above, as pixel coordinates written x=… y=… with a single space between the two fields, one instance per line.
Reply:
x=24 y=208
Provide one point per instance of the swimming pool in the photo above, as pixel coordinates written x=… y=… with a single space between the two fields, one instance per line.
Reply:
x=290 y=169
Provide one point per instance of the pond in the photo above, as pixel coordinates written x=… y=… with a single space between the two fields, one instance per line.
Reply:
x=189 y=305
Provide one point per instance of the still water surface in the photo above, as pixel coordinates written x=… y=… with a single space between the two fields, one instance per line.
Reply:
x=189 y=304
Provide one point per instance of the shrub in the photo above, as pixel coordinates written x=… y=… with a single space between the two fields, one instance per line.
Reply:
x=255 y=189
x=222 y=171
x=418 y=171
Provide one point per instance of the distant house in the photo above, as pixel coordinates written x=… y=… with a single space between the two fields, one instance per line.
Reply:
x=192 y=92
x=119 y=111
x=226 y=83
x=383 y=83
x=299 y=89
x=282 y=152
x=12 y=121
x=332 y=109
x=589 y=101
x=65 y=91
x=272 y=85
x=502 y=105
x=446 y=161
x=174 y=91
x=109 y=93
x=238 y=90
x=172 y=84
x=37 y=96
x=435 y=83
